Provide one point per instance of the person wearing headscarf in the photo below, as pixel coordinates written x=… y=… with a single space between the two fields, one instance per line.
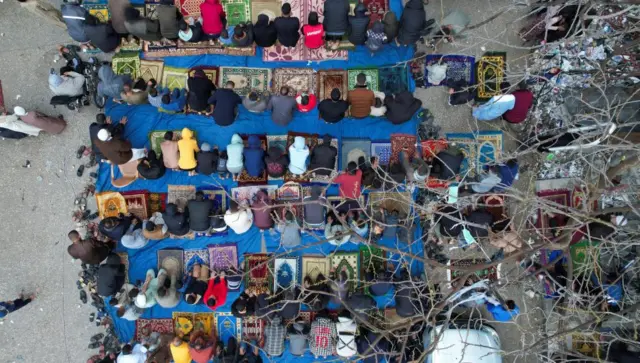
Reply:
x=68 y=84
x=200 y=88
x=49 y=124
x=264 y=32
x=191 y=32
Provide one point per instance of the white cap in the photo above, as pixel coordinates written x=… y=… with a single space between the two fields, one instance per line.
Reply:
x=621 y=221
x=104 y=135
x=141 y=300
x=19 y=111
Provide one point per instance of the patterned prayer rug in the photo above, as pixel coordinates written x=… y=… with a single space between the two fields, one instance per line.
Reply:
x=245 y=79
x=371 y=258
x=253 y=329
x=490 y=74
x=157 y=202
x=217 y=195
x=124 y=259
x=400 y=142
x=162 y=326
x=203 y=254
x=288 y=198
x=277 y=140
x=377 y=9
x=352 y=149
x=393 y=80
x=466 y=142
x=349 y=263
x=327 y=178
x=137 y=203
x=489 y=147
x=278 y=53
x=299 y=79
x=223 y=257
x=312 y=266
x=126 y=63
x=491 y=273
x=148 y=47
x=211 y=73
x=381 y=150
x=238 y=11
x=150 y=9
x=110 y=204
x=399 y=201
x=100 y=11
x=258 y=277
x=372 y=78
x=311 y=140
x=227 y=326
x=286 y=271
x=330 y=79
x=134 y=45
x=245 y=194
x=151 y=69
x=204 y=322
x=155 y=139
x=189 y=8
x=180 y=195
x=171 y=260
x=270 y=8
x=175 y=77
x=558 y=200
x=584 y=253
x=431 y=148
x=459 y=67
x=201 y=48
x=183 y=324
x=244 y=178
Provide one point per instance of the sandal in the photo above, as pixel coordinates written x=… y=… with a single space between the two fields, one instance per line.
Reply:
x=80 y=151
x=83 y=297
x=80 y=171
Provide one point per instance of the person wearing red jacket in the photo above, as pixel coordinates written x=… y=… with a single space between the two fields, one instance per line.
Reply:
x=524 y=101
x=216 y=294
x=214 y=20
x=306 y=101
x=313 y=32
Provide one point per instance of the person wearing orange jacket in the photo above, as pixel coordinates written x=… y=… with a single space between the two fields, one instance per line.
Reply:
x=216 y=294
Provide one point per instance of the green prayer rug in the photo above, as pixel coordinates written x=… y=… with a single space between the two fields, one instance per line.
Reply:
x=237 y=11
x=245 y=79
x=175 y=77
x=126 y=63
x=372 y=78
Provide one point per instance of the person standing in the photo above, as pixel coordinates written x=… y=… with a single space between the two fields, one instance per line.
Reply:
x=169 y=18
x=287 y=27
x=214 y=19
x=101 y=35
x=74 y=16
x=89 y=251
x=274 y=335
x=350 y=181
x=282 y=107
x=413 y=23
x=10 y=306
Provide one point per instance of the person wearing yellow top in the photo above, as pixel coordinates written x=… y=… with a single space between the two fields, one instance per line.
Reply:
x=180 y=351
x=188 y=147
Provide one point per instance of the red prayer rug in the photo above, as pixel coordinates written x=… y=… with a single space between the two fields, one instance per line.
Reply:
x=401 y=141
x=162 y=326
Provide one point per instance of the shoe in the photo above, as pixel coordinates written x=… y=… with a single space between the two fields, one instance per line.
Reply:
x=96 y=338
x=92 y=317
x=80 y=152
x=79 y=285
x=83 y=296
x=80 y=171
x=94 y=345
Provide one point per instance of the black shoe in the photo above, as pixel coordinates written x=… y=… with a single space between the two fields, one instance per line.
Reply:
x=80 y=171
x=83 y=296
x=96 y=338
x=94 y=345
x=79 y=285
x=92 y=317
x=80 y=151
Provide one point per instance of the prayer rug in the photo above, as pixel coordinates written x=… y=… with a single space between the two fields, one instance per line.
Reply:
x=390 y=201
x=162 y=326
x=189 y=8
x=393 y=80
x=372 y=78
x=137 y=203
x=157 y=202
x=330 y=79
x=258 y=276
x=371 y=258
x=491 y=273
x=134 y=45
x=466 y=142
x=227 y=326
x=110 y=204
x=180 y=195
x=238 y=11
x=270 y=8
x=494 y=204
x=584 y=253
x=312 y=266
x=490 y=74
x=190 y=235
x=223 y=257
x=459 y=67
x=175 y=77
x=381 y=150
x=327 y=178
x=277 y=140
x=431 y=148
x=201 y=48
x=244 y=178
x=253 y=329
x=204 y=322
x=376 y=9
x=489 y=147
x=155 y=139
x=288 y=198
x=245 y=79
x=202 y=254
x=245 y=195
x=311 y=140
x=286 y=270
x=151 y=69
x=558 y=201
x=148 y=46
x=217 y=195
x=126 y=63
x=100 y=11
x=210 y=72
x=124 y=259
x=299 y=79
x=352 y=149
x=400 y=142
x=278 y=53
x=183 y=324
x=349 y=263
x=171 y=260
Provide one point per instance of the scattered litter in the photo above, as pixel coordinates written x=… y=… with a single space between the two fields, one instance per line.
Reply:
x=18 y=97
x=39 y=178
x=27 y=164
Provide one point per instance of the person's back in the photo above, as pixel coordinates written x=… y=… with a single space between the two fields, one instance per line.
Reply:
x=402 y=107
x=103 y=36
x=176 y=222
x=447 y=164
x=361 y=99
x=110 y=276
x=207 y=160
x=298 y=154
x=480 y=218
x=350 y=181
x=187 y=147
x=333 y=109
x=116 y=10
x=313 y=32
x=256 y=102
x=169 y=18
x=212 y=14
x=243 y=35
x=262 y=210
x=376 y=37
x=199 y=211
x=225 y=102
x=323 y=157
x=150 y=167
x=290 y=232
x=523 y=102
x=170 y=153
x=235 y=153
x=282 y=106
x=200 y=88
x=322 y=336
x=358 y=25
x=254 y=157
x=494 y=108
x=74 y=16
x=336 y=13
x=114 y=149
x=264 y=32
x=287 y=27
x=412 y=23
x=276 y=161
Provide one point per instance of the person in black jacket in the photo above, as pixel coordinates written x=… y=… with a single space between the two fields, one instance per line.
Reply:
x=446 y=164
x=264 y=32
x=276 y=161
x=225 y=103
x=199 y=213
x=291 y=303
x=287 y=27
x=207 y=159
x=150 y=167
x=323 y=157
x=316 y=294
x=402 y=107
x=413 y=23
x=244 y=306
x=358 y=25
x=102 y=36
x=336 y=21
x=110 y=276
x=243 y=35
x=169 y=18
x=115 y=227
x=191 y=32
x=200 y=88
x=405 y=295
x=450 y=220
x=479 y=217
x=333 y=109
x=177 y=223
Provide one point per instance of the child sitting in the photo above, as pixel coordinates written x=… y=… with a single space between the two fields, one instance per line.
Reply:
x=174 y=102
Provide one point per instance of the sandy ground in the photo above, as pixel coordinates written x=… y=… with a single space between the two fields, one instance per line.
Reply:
x=37 y=201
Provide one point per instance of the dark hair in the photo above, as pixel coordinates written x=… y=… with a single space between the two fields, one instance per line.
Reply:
x=352 y=167
x=162 y=291
x=113 y=301
x=199 y=195
x=288 y=216
x=183 y=26
x=211 y=301
x=120 y=312
x=313 y=18
x=233 y=205
x=166 y=99
x=512 y=163
x=378 y=102
x=133 y=292
x=284 y=90
x=153 y=82
x=131 y=13
x=253 y=96
x=231 y=83
x=224 y=34
x=168 y=135
x=101 y=118
x=150 y=226
x=153 y=92
x=511 y=304
x=240 y=304
x=335 y=94
x=304 y=100
x=286 y=8
x=361 y=78
x=127 y=349
x=73 y=234
x=191 y=299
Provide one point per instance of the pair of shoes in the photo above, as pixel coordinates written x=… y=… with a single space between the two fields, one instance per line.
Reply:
x=97 y=338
